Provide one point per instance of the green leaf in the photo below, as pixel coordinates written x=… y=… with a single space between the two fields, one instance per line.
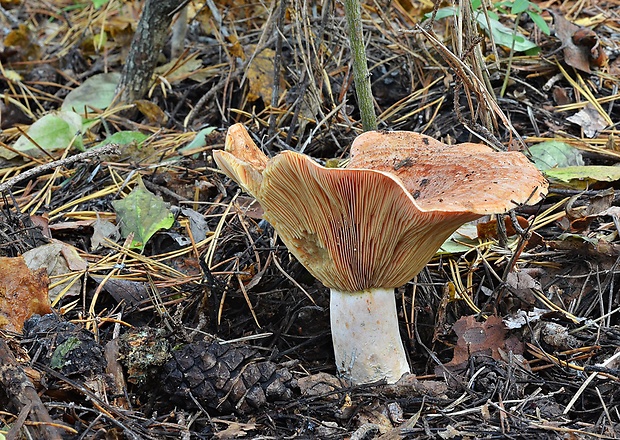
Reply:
x=99 y=3
x=97 y=92
x=461 y=241
x=58 y=359
x=199 y=141
x=448 y=11
x=143 y=214
x=540 y=22
x=504 y=36
x=519 y=6
x=54 y=131
x=125 y=138
x=580 y=176
x=555 y=154
x=578 y=237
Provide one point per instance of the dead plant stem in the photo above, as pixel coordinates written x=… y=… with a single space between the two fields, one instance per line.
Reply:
x=106 y=149
x=361 y=75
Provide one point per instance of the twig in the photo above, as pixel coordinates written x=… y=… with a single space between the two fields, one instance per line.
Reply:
x=207 y=96
x=587 y=382
x=277 y=66
x=106 y=149
x=23 y=395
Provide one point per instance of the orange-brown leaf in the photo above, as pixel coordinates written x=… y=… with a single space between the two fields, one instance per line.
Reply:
x=23 y=293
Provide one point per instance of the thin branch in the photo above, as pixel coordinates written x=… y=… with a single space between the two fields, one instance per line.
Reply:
x=106 y=149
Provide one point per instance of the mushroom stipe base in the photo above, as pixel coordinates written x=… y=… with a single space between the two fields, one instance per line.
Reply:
x=367 y=342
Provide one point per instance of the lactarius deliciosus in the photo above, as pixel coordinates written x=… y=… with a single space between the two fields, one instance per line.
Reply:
x=371 y=227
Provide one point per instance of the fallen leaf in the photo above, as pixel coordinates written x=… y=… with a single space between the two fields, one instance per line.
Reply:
x=321 y=385
x=582 y=176
x=152 y=111
x=53 y=132
x=42 y=222
x=451 y=432
x=197 y=224
x=131 y=293
x=70 y=226
x=24 y=42
x=560 y=96
x=580 y=217
x=487 y=230
x=521 y=284
x=124 y=138
x=58 y=259
x=142 y=214
x=260 y=74
x=462 y=240
x=586 y=37
x=179 y=69
x=234 y=430
x=522 y=318
x=23 y=293
x=199 y=141
x=97 y=92
x=102 y=230
x=478 y=337
x=502 y=35
x=589 y=119
x=554 y=335
x=613 y=211
x=552 y=154
x=580 y=45
x=59 y=357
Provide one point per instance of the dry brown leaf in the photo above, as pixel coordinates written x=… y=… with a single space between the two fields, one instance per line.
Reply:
x=24 y=43
x=234 y=430
x=320 y=384
x=521 y=284
x=590 y=120
x=488 y=229
x=23 y=293
x=235 y=47
x=581 y=45
x=152 y=111
x=261 y=76
x=58 y=259
x=479 y=338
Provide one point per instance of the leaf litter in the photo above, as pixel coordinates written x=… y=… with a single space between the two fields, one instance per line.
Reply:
x=213 y=299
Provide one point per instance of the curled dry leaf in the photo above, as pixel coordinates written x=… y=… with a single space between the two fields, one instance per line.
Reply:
x=487 y=230
x=59 y=260
x=23 y=293
x=590 y=120
x=581 y=46
x=480 y=337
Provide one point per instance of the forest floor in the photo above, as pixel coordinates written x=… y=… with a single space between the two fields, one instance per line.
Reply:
x=200 y=324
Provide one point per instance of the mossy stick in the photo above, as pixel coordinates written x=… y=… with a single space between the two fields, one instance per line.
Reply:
x=361 y=75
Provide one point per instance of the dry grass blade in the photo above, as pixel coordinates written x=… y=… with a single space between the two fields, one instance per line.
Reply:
x=470 y=81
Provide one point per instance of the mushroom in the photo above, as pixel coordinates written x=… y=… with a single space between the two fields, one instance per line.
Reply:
x=369 y=228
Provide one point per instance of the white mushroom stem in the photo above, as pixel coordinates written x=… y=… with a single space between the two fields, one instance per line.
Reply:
x=367 y=343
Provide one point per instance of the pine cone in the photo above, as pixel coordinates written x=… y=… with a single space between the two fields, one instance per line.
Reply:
x=64 y=346
x=225 y=377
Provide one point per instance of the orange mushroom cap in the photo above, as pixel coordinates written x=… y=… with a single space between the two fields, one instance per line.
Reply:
x=242 y=160
x=379 y=221
x=452 y=178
